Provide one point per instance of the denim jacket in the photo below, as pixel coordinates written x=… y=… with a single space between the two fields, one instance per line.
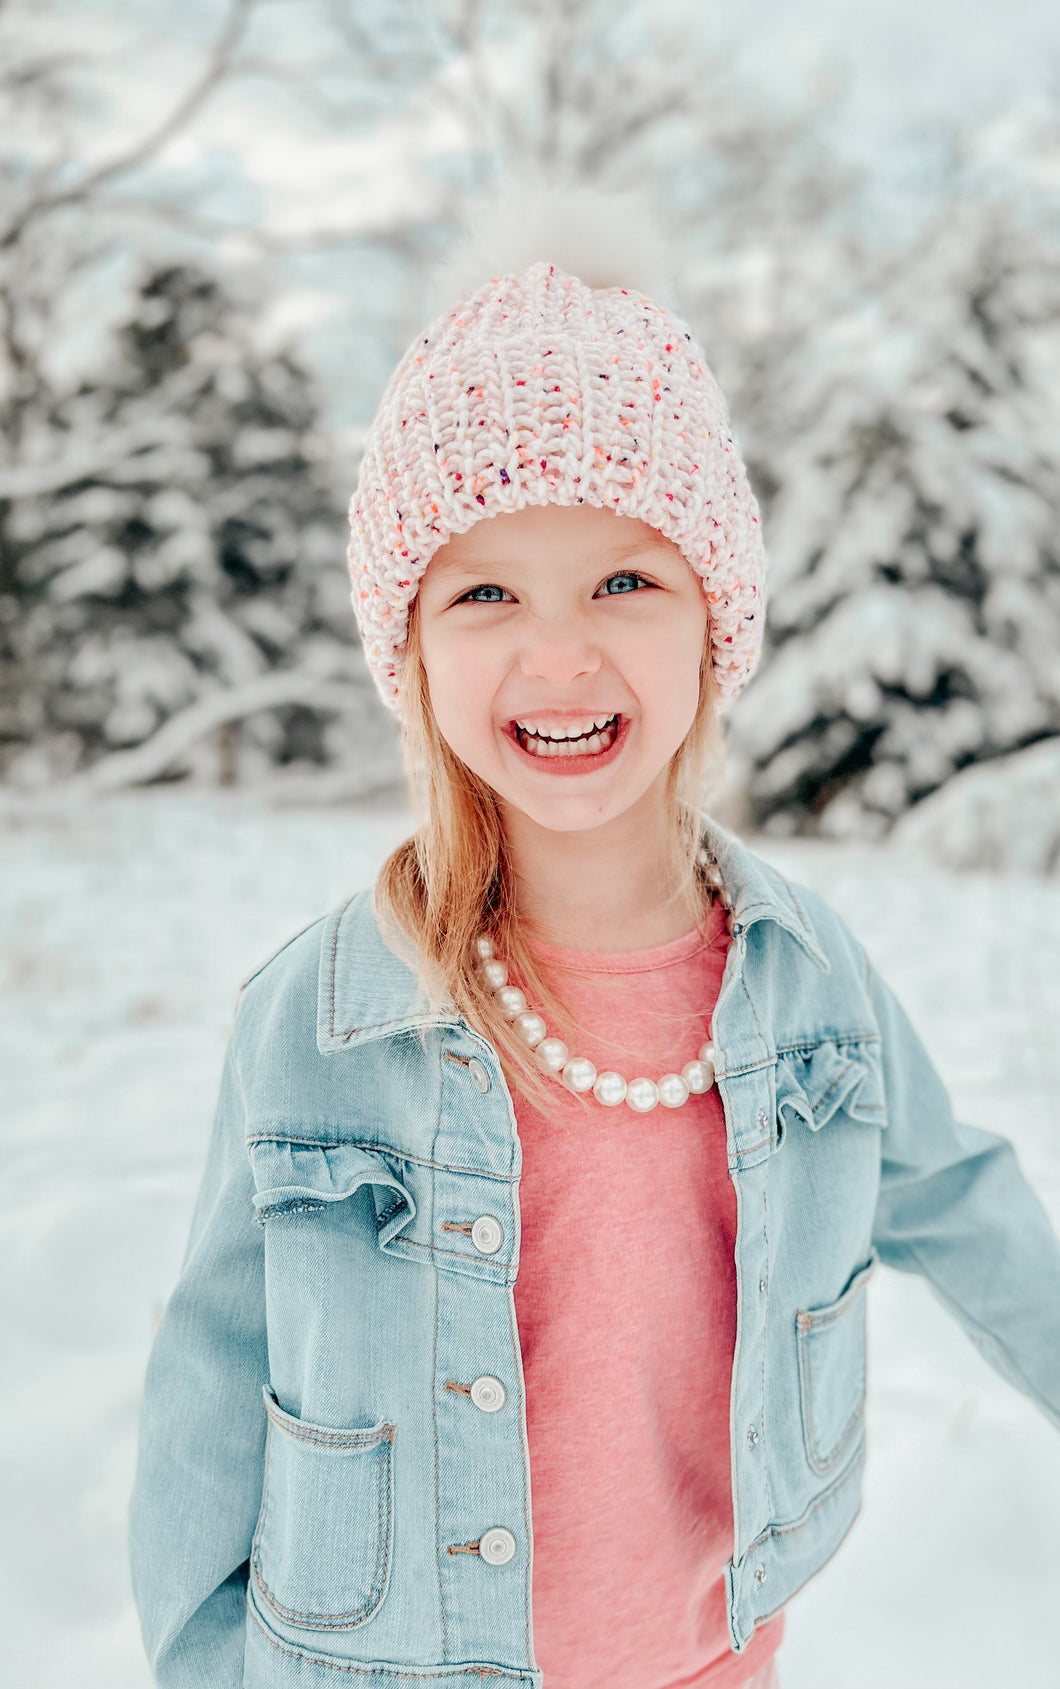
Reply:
x=314 y=1507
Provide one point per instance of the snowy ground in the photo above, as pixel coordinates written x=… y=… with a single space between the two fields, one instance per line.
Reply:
x=127 y=927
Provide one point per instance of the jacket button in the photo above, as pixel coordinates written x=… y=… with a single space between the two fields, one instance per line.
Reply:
x=752 y=1436
x=478 y=1074
x=760 y=1576
x=486 y=1234
x=497 y=1546
x=488 y=1394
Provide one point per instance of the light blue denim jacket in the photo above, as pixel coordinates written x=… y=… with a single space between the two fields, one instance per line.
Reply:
x=311 y=1493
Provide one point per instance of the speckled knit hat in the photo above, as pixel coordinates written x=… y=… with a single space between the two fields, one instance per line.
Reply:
x=537 y=389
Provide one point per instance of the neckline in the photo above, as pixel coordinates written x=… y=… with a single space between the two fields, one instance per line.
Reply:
x=711 y=934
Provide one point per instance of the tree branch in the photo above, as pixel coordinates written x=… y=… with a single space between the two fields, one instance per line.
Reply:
x=173 y=740
x=217 y=66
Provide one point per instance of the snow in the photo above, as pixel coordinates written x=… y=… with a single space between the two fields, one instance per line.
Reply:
x=127 y=927
x=1005 y=812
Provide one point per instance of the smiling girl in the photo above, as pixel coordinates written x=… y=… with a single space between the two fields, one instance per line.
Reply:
x=521 y=1331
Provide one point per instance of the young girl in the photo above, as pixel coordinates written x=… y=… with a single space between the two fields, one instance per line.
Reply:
x=521 y=1331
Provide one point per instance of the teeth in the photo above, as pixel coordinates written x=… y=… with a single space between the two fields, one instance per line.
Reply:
x=577 y=730
x=595 y=743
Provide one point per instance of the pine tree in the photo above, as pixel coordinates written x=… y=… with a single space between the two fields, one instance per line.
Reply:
x=171 y=535
x=913 y=525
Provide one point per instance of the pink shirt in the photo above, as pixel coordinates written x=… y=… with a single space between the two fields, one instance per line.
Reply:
x=626 y=1303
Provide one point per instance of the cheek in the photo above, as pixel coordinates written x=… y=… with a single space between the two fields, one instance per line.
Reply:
x=461 y=690
x=667 y=668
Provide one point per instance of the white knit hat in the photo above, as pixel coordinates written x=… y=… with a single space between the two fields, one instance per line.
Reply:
x=537 y=389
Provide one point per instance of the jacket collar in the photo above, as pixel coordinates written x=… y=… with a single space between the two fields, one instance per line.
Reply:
x=369 y=990
x=760 y=892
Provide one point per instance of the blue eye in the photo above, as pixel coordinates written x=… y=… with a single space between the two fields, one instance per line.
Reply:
x=625 y=582
x=484 y=595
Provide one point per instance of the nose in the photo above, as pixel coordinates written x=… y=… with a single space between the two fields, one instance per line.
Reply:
x=559 y=655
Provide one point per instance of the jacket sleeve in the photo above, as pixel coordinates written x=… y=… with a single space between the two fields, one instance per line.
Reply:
x=198 y=1480
x=955 y=1207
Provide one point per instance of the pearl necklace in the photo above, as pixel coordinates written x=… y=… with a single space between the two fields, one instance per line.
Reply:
x=577 y=1073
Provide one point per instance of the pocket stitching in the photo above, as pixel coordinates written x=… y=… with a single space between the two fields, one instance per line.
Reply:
x=807 y=1323
x=358 y=1615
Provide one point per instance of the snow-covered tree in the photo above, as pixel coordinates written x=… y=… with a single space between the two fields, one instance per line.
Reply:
x=913 y=523
x=171 y=536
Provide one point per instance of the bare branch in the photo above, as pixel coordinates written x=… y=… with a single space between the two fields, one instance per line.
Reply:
x=216 y=68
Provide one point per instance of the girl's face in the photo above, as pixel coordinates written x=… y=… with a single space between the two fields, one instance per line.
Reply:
x=562 y=647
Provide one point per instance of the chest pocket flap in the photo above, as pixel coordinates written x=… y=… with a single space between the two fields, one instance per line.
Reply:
x=293 y=1177
x=816 y=1083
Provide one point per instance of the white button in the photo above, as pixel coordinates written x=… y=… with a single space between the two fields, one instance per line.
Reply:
x=752 y=1436
x=497 y=1546
x=486 y=1234
x=488 y=1394
x=760 y=1576
x=478 y=1074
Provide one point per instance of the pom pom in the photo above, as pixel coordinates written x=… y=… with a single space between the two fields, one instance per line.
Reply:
x=605 y=238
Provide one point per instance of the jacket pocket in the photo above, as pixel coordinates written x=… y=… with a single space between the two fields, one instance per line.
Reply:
x=321 y=1552
x=831 y=1346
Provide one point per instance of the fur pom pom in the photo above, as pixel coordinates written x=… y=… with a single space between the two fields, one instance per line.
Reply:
x=605 y=238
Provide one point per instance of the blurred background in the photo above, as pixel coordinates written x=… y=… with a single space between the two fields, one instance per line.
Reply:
x=219 y=227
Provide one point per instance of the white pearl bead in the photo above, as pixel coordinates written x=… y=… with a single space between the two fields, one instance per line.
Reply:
x=495 y=974
x=610 y=1089
x=511 y=1000
x=672 y=1090
x=483 y=948
x=642 y=1095
x=551 y=1055
x=697 y=1076
x=708 y=1055
x=532 y=1028
x=579 y=1074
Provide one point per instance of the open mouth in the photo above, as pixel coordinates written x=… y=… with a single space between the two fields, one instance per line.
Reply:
x=591 y=737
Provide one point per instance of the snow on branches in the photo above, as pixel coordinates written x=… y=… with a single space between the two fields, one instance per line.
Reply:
x=169 y=534
x=914 y=588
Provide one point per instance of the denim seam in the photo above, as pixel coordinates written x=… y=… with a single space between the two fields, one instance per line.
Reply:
x=354 y=1616
x=369 y=1144
x=334 y=958
x=527 y=1525
x=377 y=1671
x=304 y=1433
x=808 y=1045
x=388 y=1213
x=764 y=1618
x=434 y=1405
x=850 y=1067
x=748 y=1149
x=410 y=1021
x=754 y=1012
x=825 y=1461
x=455 y=1254
x=773 y=1531
x=806 y=1325
x=765 y=1345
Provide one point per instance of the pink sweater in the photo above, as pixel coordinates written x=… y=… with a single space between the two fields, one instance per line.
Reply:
x=626 y=1303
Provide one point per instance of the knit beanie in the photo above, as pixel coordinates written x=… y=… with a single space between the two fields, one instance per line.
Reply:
x=538 y=389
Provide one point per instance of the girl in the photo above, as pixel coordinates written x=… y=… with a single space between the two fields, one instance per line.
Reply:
x=521 y=1331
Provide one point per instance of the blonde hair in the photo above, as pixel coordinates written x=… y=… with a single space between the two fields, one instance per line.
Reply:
x=452 y=880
